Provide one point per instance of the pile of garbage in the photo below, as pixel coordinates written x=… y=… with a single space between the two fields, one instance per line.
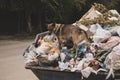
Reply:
x=102 y=54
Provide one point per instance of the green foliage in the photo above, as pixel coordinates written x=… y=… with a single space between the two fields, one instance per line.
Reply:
x=16 y=5
x=60 y=11
x=4 y=4
x=64 y=11
x=78 y=4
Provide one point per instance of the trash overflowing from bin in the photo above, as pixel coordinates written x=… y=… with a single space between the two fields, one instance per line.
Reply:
x=101 y=53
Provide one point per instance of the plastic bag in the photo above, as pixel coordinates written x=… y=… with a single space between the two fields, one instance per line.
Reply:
x=112 y=42
x=44 y=48
x=101 y=35
x=54 y=54
x=30 y=55
x=94 y=27
x=87 y=71
x=115 y=30
x=63 y=66
x=112 y=61
x=48 y=42
x=113 y=58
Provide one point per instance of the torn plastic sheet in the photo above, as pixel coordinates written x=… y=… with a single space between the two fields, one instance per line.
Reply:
x=101 y=35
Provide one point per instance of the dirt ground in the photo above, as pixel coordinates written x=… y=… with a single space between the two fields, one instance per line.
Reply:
x=12 y=62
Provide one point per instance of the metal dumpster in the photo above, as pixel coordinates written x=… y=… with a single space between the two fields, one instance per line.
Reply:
x=53 y=73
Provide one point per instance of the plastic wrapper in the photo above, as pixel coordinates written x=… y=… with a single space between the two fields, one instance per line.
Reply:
x=63 y=65
x=44 y=48
x=54 y=54
x=62 y=56
x=101 y=35
x=112 y=42
x=87 y=71
x=30 y=55
x=94 y=27
x=48 y=42
x=112 y=61
x=115 y=30
x=81 y=49
x=84 y=62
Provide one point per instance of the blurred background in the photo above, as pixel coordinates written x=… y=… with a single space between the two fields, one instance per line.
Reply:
x=31 y=16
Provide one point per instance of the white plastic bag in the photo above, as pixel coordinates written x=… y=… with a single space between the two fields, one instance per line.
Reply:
x=44 y=48
x=94 y=27
x=63 y=66
x=48 y=42
x=115 y=29
x=30 y=55
x=112 y=61
x=113 y=58
x=87 y=71
x=53 y=57
x=101 y=35
x=112 y=42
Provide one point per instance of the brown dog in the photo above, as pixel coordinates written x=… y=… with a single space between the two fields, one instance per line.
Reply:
x=68 y=32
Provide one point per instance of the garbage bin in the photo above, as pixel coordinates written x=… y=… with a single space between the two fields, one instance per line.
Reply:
x=53 y=73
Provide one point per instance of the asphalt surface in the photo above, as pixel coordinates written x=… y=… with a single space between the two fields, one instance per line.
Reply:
x=12 y=66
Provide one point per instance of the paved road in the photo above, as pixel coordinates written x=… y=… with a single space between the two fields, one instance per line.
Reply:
x=12 y=62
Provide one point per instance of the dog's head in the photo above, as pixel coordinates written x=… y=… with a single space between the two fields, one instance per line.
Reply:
x=53 y=27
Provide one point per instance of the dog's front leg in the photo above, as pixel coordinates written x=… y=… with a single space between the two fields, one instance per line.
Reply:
x=76 y=55
x=76 y=50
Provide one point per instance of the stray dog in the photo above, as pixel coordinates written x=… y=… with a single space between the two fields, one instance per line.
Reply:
x=68 y=32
